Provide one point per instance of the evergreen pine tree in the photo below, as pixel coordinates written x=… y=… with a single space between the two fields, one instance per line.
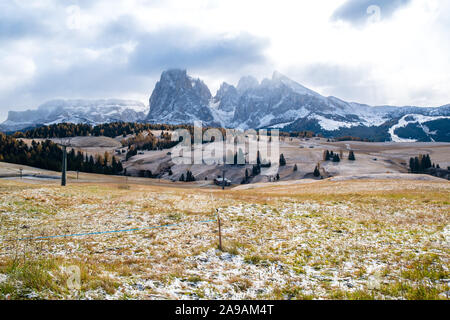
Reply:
x=336 y=158
x=119 y=167
x=411 y=165
x=428 y=163
x=416 y=165
x=316 y=172
x=282 y=160
x=351 y=156
x=256 y=170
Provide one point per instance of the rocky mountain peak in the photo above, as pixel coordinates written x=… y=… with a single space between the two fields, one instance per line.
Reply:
x=276 y=102
x=278 y=76
x=227 y=97
x=76 y=111
x=174 y=76
x=179 y=96
x=246 y=83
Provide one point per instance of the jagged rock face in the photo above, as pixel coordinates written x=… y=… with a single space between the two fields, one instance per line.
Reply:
x=178 y=98
x=246 y=83
x=280 y=102
x=227 y=97
x=275 y=101
x=76 y=111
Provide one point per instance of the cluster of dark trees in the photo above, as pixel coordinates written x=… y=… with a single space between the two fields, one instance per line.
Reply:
x=239 y=158
x=61 y=130
x=78 y=161
x=44 y=155
x=132 y=151
x=423 y=164
x=48 y=155
x=351 y=138
x=114 y=129
x=145 y=174
x=420 y=164
x=246 y=178
x=147 y=141
x=256 y=170
x=188 y=178
x=330 y=155
x=298 y=134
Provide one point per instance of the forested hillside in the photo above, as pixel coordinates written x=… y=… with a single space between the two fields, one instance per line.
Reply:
x=48 y=155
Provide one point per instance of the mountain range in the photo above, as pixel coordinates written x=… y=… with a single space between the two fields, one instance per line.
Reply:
x=278 y=102
x=76 y=111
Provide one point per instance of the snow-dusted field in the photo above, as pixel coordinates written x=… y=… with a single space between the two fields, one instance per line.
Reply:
x=319 y=240
x=371 y=158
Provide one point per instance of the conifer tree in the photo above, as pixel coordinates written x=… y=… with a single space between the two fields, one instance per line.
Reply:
x=411 y=165
x=282 y=160
x=416 y=165
x=316 y=172
x=351 y=156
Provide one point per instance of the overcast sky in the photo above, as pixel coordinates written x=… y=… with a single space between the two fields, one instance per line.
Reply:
x=375 y=52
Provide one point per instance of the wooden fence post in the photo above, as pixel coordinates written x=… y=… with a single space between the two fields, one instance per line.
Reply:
x=220 y=230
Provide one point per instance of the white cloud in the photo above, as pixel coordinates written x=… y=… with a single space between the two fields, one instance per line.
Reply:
x=401 y=60
x=14 y=70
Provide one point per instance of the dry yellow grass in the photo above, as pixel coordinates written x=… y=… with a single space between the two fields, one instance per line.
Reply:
x=332 y=240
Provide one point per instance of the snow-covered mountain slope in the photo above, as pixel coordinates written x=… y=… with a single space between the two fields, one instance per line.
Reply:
x=179 y=98
x=414 y=127
x=278 y=102
x=76 y=111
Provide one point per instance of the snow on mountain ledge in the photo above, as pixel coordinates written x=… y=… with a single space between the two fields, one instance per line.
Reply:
x=112 y=104
x=413 y=118
x=76 y=111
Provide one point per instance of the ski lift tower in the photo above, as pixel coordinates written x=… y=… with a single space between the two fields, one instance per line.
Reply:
x=64 y=146
x=224 y=171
